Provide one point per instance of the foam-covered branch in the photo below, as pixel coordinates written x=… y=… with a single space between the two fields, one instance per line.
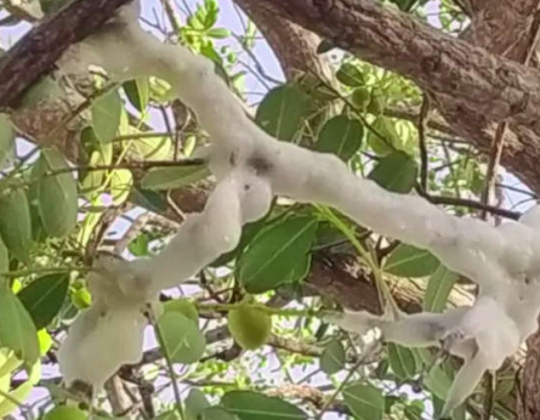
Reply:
x=251 y=166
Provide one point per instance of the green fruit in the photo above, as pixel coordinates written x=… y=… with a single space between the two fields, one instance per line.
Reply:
x=82 y=299
x=249 y=326
x=66 y=412
x=183 y=306
x=361 y=97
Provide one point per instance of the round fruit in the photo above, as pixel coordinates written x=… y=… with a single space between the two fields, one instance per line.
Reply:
x=249 y=326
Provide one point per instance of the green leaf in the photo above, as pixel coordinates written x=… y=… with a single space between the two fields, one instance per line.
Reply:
x=414 y=411
x=170 y=178
x=275 y=252
x=248 y=405
x=350 y=75
x=138 y=92
x=438 y=379
x=282 y=111
x=384 y=128
x=66 y=412
x=106 y=114
x=439 y=287
x=341 y=136
x=7 y=140
x=4 y=259
x=170 y=415
x=218 y=33
x=365 y=401
x=56 y=195
x=149 y=200
x=44 y=298
x=395 y=172
x=408 y=261
x=150 y=148
x=16 y=223
x=333 y=358
x=182 y=338
x=195 y=404
x=402 y=361
x=182 y=306
x=121 y=183
x=17 y=330
x=216 y=413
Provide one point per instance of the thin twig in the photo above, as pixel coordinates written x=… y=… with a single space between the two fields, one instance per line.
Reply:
x=168 y=361
x=423 y=121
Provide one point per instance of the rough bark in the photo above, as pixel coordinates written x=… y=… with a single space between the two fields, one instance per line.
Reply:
x=477 y=88
x=39 y=50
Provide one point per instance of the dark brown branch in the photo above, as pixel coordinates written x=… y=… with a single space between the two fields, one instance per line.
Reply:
x=35 y=54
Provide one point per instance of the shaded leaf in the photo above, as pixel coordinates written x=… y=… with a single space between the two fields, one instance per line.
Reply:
x=438 y=289
x=138 y=92
x=408 y=261
x=106 y=115
x=182 y=306
x=350 y=75
x=17 y=330
x=16 y=223
x=365 y=401
x=7 y=140
x=196 y=403
x=44 y=298
x=341 y=136
x=56 y=195
x=402 y=361
x=395 y=172
x=169 y=178
x=282 y=111
x=248 y=405
x=183 y=340
x=275 y=252
x=333 y=357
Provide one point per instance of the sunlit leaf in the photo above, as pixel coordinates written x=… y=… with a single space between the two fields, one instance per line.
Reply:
x=106 y=114
x=66 y=412
x=121 y=183
x=174 y=177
